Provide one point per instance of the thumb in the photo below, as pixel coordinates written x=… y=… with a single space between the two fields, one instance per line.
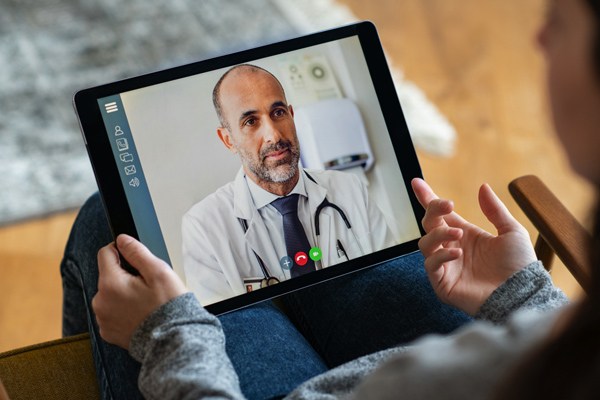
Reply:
x=495 y=210
x=138 y=256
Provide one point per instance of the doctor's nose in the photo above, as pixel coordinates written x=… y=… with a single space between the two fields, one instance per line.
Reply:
x=271 y=133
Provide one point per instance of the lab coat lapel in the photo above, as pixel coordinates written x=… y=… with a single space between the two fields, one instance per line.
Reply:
x=243 y=205
x=316 y=194
x=257 y=236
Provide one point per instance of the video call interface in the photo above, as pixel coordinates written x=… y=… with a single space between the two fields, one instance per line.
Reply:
x=298 y=173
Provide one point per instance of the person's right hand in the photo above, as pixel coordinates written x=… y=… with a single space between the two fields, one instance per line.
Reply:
x=465 y=264
x=123 y=300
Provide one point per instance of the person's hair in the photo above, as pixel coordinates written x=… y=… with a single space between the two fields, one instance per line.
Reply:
x=216 y=94
x=567 y=365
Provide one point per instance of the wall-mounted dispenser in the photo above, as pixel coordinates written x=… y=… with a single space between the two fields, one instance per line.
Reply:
x=332 y=135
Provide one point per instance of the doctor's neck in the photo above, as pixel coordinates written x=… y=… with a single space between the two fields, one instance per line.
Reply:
x=277 y=188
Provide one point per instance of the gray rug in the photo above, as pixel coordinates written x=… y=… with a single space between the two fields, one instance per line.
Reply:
x=50 y=49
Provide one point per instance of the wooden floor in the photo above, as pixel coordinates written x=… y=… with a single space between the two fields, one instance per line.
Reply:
x=476 y=59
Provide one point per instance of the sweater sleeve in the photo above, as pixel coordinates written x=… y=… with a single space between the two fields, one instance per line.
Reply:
x=181 y=347
x=529 y=288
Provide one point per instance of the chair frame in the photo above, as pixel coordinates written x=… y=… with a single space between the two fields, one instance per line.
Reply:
x=559 y=232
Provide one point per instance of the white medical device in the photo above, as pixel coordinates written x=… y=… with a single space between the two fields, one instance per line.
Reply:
x=332 y=135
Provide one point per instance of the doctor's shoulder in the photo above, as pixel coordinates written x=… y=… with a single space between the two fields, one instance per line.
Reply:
x=337 y=181
x=212 y=209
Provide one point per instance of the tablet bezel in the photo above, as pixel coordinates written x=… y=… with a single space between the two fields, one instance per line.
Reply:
x=113 y=194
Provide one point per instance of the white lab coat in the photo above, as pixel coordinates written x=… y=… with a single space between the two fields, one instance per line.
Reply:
x=218 y=255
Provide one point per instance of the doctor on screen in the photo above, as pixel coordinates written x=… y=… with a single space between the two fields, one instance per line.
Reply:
x=275 y=220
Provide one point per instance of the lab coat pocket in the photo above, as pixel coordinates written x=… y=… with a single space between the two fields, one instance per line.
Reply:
x=341 y=244
x=348 y=245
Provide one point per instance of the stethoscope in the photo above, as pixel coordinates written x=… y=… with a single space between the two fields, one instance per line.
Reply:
x=270 y=280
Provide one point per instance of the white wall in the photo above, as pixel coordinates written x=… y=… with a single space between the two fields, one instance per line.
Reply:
x=174 y=129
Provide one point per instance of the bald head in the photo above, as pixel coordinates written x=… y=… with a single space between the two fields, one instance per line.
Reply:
x=244 y=71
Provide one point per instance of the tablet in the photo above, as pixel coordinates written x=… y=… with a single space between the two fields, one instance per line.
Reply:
x=261 y=172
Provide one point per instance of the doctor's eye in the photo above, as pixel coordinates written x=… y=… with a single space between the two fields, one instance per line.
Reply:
x=279 y=112
x=250 y=122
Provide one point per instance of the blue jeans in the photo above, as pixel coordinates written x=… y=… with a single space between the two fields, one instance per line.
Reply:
x=272 y=351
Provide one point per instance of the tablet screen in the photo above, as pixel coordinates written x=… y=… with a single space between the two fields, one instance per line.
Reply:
x=258 y=173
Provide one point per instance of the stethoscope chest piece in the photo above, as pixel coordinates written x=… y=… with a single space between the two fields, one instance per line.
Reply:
x=270 y=281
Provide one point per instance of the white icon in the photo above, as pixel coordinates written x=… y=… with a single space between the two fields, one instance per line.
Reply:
x=122 y=144
x=135 y=182
x=130 y=169
x=126 y=157
x=118 y=131
x=286 y=262
x=111 y=107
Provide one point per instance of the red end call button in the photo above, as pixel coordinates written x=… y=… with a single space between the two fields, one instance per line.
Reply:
x=301 y=258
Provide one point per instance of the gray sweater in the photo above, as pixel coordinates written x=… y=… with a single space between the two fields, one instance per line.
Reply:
x=182 y=350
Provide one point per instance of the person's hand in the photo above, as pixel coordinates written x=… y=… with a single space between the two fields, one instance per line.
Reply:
x=465 y=264
x=123 y=300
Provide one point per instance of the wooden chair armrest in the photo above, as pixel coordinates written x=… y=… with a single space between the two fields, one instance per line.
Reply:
x=558 y=229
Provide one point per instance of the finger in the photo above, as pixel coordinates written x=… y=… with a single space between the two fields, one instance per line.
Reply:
x=495 y=210
x=435 y=239
x=95 y=307
x=139 y=256
x=435 y=208
x=423 y=192
x=434 y=263
x=435 y=214
x=108 y=261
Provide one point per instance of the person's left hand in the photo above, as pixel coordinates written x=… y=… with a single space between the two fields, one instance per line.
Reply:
x=464 y=263
x=123 y=300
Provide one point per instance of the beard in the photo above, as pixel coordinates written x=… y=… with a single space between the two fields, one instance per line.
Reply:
x=278 y=171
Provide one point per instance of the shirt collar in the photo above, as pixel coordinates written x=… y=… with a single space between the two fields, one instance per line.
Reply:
x=261 y=197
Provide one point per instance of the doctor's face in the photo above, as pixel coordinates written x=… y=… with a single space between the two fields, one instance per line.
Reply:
x=260 y=125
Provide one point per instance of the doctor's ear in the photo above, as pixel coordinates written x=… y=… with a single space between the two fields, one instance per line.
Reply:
x=225 y=137
x=291 y=109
